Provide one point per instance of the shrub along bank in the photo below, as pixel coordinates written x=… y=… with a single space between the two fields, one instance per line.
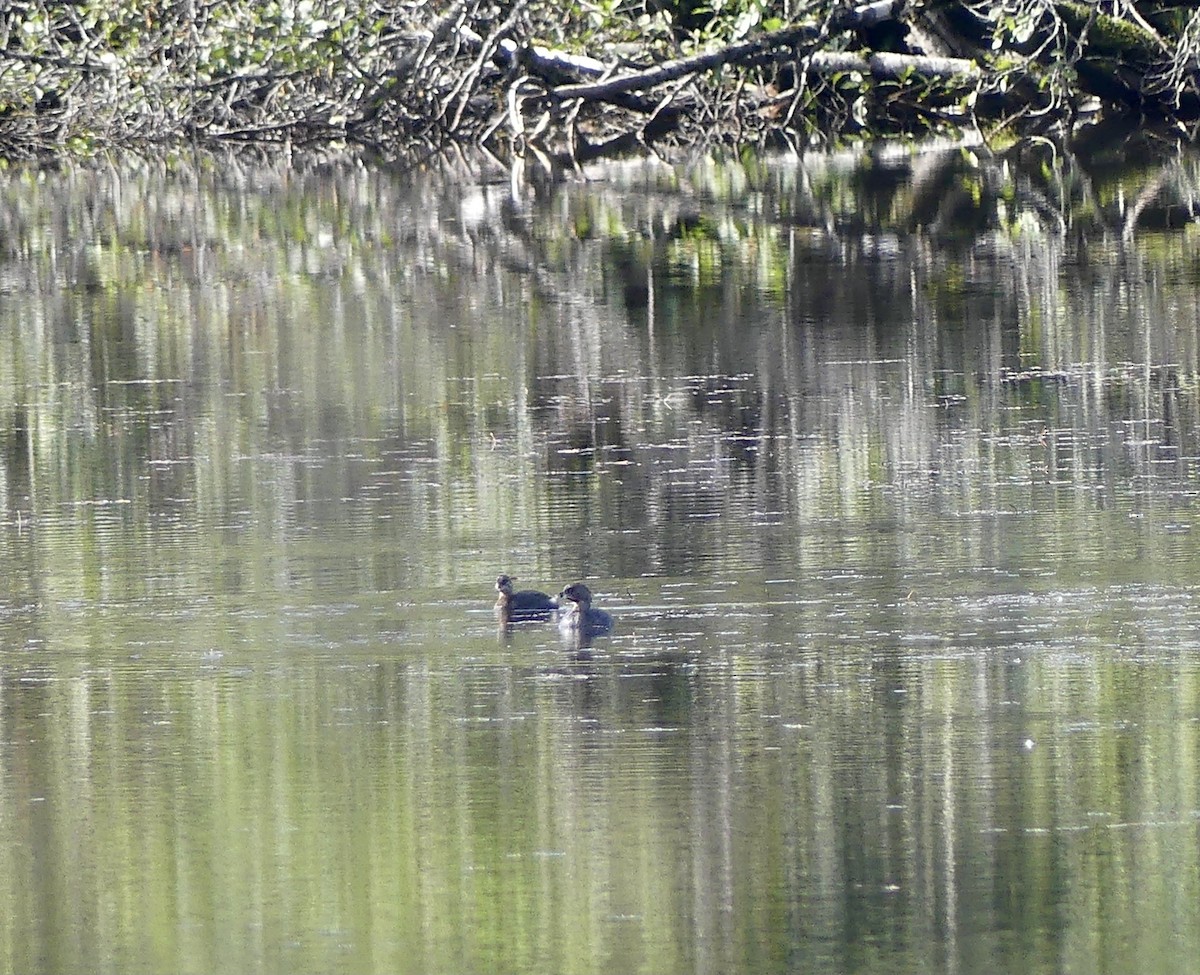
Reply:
x=564 y=83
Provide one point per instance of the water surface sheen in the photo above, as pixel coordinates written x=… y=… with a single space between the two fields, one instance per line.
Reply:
x=898 y=527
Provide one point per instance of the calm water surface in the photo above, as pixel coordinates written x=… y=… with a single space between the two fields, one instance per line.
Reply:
x=886 y=467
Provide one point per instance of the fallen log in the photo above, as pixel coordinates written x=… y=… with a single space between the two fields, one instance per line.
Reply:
x=896 y=67
x=567 y=72
x=882 y=67
x=788 y=39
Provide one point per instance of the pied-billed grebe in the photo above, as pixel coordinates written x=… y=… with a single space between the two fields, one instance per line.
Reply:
x=579 y=617
x=520 y=607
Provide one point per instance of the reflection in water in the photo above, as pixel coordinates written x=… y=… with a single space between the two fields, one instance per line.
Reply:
x=894 y=508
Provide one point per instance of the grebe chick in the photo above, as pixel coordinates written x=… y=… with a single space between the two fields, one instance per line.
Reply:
x=523 y=606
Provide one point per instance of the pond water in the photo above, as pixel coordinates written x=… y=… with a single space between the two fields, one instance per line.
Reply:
x=885 y=465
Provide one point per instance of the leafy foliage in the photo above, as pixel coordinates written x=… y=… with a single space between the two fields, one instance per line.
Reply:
x=403 y=78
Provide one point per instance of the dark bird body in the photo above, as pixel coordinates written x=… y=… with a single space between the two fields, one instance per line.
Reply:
x=579 y=618
x=522 y=606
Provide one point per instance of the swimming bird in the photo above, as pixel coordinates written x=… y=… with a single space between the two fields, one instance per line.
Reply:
x=523 y=606
x=579 y=618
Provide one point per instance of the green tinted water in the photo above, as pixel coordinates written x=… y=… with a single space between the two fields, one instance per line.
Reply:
x=906 y=675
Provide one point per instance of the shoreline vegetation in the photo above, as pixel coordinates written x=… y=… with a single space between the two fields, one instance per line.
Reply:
x=406 y=82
